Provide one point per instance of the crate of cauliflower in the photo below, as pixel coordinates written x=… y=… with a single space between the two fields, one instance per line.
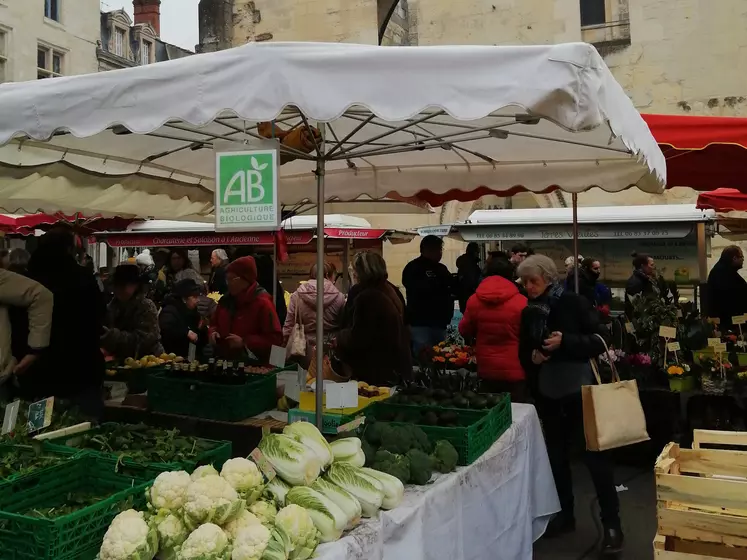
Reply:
x=62 y=513
x=310 y=495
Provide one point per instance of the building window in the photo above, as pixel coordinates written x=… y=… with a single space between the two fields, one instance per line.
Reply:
x=52 y=9
x=145 y=53
x=120 y=39
x=3 y=56
x=593 y=12
x=49 y=62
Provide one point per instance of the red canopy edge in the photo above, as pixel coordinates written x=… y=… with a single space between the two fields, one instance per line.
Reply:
x=690 y=132
x=723 y=200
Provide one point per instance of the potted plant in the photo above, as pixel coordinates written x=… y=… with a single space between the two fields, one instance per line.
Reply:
x=680 y=379
x=717 y=372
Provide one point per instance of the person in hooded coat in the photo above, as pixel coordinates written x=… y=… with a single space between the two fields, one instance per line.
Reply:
x=72 y=367
x=302 y=308
x=376 y=346
x=179 y=320
x=493 y=317
x=245 y=318
x=727 y=290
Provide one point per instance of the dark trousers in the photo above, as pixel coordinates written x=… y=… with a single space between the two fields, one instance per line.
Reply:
x=562 y=422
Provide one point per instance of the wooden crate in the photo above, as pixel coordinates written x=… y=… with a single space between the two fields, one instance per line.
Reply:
x=702 y=493
x=672 y=548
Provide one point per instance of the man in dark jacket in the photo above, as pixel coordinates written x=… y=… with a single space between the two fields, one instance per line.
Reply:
x=179 y=320
x=468 y=274
x=642 y=281
x=72 y=367
x=727 y=290
x=430 y=295
x=218 y=262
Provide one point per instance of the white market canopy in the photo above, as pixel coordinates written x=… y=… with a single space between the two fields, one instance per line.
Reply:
x=597 y=222
x=439 y=123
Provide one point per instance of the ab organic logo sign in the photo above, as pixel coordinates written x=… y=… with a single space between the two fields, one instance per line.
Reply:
x=246 y=193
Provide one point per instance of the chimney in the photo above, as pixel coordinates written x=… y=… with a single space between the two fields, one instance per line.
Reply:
x=148 y=11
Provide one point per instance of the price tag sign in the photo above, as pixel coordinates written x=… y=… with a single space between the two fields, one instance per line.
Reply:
x=341 y=395
x=714 y=320
x=11 y=415
x=277 y=356
x=739 y=319
x=40 y=414
x=679 y=313
x=630 y=328
x=714 y=341
x=264 y=465
x=350 y=426
x=719 y=348
x=667 y=332
x=673 y=346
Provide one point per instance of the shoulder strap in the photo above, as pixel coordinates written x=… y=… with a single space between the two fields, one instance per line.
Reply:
x=595 y=366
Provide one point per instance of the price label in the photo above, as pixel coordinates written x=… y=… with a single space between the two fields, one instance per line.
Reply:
x=11 y=415
x=350 y=426
x=679 y=313
x=630 y=328
x=714 y=341
x=667 y=332
x=714 y=320
x=40 y=414
x=739 y=319
x=719 y=348
x=673 y=346
x=341 y=395
x=277 y=356
x=264 y=465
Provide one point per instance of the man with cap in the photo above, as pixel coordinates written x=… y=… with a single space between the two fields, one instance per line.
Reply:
x=245 y=318
x=179 y=319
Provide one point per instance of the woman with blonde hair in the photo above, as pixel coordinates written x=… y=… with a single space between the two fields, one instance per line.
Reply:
x=375 y=345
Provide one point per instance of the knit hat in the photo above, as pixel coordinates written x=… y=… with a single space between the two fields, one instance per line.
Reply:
x=245 y=268
x=144 y=258
x=126 y=274
x=187 y=287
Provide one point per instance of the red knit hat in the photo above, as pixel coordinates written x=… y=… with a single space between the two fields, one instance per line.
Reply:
x=245 y=268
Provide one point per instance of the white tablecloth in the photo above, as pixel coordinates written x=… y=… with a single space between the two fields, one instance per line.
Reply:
x=493 y=509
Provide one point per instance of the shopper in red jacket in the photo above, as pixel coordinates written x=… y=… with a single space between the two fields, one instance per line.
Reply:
x=245 y=318
x=493 y=317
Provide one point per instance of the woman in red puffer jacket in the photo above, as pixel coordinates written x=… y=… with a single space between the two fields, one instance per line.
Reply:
x=493 y=317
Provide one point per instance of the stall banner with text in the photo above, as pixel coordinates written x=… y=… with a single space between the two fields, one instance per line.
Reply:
x=246 y=193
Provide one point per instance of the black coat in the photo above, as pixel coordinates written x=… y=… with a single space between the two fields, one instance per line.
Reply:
x=468 y=278
x=73 y=362
x=218 y=282
x=638 y=283
x=430 y=293
x=175 y=322
x=726 y=293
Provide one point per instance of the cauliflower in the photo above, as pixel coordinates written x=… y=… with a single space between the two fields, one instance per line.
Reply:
x=244 y=476
x=265 y=512
x=211 y=499
x=302 y=536
x=171 y=534
x=129 y=538
x=243 y=520
x=204 y=470
x=259 y=543
x=168 y=491
x=207 y=542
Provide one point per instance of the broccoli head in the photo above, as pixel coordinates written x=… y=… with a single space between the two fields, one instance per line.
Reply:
x=421 y=466
x=395 y=465
x=444 y=456
x=396 y=439
x=420 y=439
x=373 y=433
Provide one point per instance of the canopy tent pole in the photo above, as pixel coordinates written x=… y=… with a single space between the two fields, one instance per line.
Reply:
x=345 y=265
x=275 y=271
x=320 y=280
x=574 y=198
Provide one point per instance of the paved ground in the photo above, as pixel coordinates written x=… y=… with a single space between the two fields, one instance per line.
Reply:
x=638 y=512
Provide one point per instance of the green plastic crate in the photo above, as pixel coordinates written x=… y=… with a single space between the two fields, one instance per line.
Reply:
x=330 y=422
x=136 y=379
x=63 y=454
x=477 y=430
x=217 y=455
x=230 y=403
x=76 y=536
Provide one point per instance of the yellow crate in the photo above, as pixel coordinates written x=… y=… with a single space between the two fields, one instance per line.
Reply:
x=308 y=403
x=702 y=493
x=672 y=548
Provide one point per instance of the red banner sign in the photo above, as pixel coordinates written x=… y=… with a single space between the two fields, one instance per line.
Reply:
x=354 y=233
x=185 y=239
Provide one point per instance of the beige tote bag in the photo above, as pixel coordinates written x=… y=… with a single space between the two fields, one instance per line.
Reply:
x=613 y=415
x=297 y=341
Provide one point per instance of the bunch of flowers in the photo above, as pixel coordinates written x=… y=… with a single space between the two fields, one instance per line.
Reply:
x=639 y=359
x=453 y=356
x=715 y=364
x=678 y=370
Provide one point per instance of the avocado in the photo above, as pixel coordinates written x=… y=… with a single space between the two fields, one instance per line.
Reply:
x=469 y=395
x=448 y=403
x=428 y=393
x=387 y=416
x=478 y=402
x=461 y=402
x=400 y=417
x=429 y=419
x=493 y=400
x=417 y=399
x=448 y=417
x=441 y=395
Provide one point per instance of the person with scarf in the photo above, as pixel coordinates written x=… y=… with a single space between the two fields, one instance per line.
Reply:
x=643 y=281
x=376 y=345
x=560 y=333
x=245 y=323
